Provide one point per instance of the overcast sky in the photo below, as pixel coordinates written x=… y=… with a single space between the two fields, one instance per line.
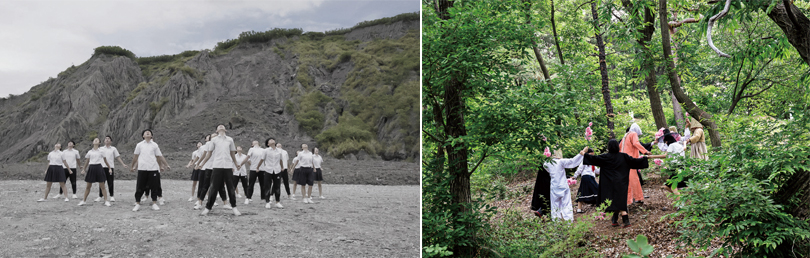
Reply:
x=39 y=39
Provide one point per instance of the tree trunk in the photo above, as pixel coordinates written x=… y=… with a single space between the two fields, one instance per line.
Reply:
x=651 y=81
x=456 y=152
x=678 y=111
x=556 y=38
x=536 y=50
x=795 y=25
x=675 y=80
x=600 y=44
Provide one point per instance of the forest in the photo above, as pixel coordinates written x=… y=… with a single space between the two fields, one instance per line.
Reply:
x=503 y=81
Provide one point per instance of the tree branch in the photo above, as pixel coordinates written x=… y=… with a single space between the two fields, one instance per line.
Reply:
x=434 y=137
x=790 y=13
x=755 y=94
x=483 y=156
x=711 y=24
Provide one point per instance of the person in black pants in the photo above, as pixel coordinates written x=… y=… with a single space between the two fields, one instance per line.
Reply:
x=271 y=162
x=285 y=176
x=206 y=165
x=254 y=155
x=148 y=160
x=72 y=157
x=110 y=153
x=222 y=149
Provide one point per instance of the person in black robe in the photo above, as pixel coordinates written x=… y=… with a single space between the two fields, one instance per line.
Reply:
x=541 y=197
x=615 y=178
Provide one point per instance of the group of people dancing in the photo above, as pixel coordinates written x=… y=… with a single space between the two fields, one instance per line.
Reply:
x=620 y=179
x=218 y=166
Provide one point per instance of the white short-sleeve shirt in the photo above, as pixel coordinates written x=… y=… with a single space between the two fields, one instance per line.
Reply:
x=222 y=146
x=71 y=156
x=96 y=157
x=305 y=159
x=208 y=147
x=295 y=161
x=147 y=152
x=239 y=159
x=256 y=154
x=271 y=159
x=110 y=153
x=317 y=160
x=284 y=159
x=55 y=158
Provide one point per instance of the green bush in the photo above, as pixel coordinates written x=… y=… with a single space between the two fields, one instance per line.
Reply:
x=114 y=51
x=731 y=197
x=350 y=135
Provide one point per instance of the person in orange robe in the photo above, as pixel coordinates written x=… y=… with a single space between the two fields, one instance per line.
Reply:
x=631 y=146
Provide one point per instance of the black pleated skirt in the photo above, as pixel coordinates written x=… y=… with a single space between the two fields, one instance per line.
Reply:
x=588 y=190
x=196 y=175
x=296 y=174
x=95 y=174
x=318 y=174
x=56 y=173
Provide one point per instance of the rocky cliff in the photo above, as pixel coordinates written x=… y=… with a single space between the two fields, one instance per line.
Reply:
x=352 y=92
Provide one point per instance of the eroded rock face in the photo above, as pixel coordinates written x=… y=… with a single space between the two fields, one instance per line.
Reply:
x=244 y=89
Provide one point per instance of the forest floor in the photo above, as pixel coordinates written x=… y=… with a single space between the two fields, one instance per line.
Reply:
x=647 y=219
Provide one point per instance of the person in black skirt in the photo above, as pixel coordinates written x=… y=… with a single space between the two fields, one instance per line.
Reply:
x=95 y=172
x=316 y=161
x=296 y=172
x=588 y=187
x=55 y=171
x=195 y=173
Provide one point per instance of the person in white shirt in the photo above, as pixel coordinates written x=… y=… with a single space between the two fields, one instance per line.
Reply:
x=588 y=187
x=55 y=171
x=205 y=164
x=195 y=173
x=240 y=173
x=223 y=154
x=148 y=159
x=271 y=165
x=110 y=153
x=254 y=155
x=95 y=172
x=307 y=176
x=72 y=157
x=285 y=176
x=296 y=173
x=674 y=150
x=316 y=162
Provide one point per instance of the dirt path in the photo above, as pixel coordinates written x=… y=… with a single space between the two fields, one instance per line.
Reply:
x=611 y=241
x=354 y=221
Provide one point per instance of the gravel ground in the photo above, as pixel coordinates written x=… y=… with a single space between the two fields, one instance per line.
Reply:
x=353 y=221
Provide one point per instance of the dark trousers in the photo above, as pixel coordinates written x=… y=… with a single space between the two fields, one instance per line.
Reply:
x=205 y=183
x=252 y=182
x=109 y=172
x=286 y=178
x=150 y=179
x=244 y=180
x=220 y=176
x=72 y=178
x=273 y=182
